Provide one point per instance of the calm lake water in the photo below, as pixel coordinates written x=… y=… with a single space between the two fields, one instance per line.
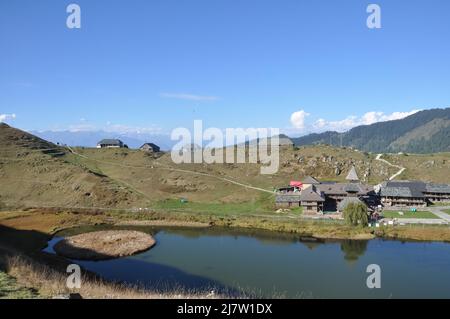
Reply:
x=267 y=264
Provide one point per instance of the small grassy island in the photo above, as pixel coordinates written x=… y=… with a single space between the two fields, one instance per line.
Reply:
x=102 y=245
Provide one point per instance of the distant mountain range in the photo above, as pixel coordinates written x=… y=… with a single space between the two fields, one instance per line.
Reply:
x=423 y=132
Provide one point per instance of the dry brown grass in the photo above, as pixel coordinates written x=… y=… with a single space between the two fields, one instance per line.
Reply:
x=416 y=232
x=50 y=283
x=103 y=245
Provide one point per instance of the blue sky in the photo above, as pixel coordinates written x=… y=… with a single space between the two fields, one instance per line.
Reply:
x=155 y=65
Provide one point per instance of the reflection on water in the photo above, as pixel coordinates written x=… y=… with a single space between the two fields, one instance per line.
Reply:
x=353 y=249
x=274 y=264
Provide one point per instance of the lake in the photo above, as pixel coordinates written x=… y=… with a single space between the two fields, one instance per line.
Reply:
x=268 y=264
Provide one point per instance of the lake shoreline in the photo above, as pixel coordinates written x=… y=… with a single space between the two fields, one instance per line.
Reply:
x=28 y=232
x=320 y=229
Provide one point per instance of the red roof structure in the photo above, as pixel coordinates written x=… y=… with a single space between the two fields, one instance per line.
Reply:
x=296 y=184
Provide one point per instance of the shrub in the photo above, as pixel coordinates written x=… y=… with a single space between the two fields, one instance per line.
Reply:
x=355 y=214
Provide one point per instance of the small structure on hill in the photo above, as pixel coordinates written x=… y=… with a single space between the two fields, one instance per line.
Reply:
x=110 y=143
x=285 y=141
x=150 y=147
x=352 y=175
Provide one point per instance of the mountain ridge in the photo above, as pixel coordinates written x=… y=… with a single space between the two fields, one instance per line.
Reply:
x=426 y=131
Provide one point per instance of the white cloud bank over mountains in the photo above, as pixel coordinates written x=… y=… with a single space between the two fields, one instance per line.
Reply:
x=7 y=117
x=113 y=128
x=299 y=123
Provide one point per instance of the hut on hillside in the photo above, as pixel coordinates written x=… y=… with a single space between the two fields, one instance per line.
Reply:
x=150 y=147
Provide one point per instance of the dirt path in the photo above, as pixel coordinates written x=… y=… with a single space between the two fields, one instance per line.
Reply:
x=401 y=169
x=228 y=180
x=440 y=212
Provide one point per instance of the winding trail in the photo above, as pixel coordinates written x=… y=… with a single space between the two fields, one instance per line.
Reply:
x=165 y=167
x=401 y=169
x=440 y=211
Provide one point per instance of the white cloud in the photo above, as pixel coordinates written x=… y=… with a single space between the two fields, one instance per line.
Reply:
x=7 y=117
x=298 y=119
x=125 y=129
x=84 y=126
x=189 y=97
x=352 y=121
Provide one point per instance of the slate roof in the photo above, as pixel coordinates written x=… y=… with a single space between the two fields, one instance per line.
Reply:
x=397 y=192
x=437 y=188
x=352 y=188
x=403 y=189
x=310 y=180
x=311 y=195
x=287 y=198
x=345 y=188
x=352 y=175
x=110 y=142
x=152 y=145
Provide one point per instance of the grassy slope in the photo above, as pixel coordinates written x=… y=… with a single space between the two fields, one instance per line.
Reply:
x=429 y=167
x=441 y=204
x=408 y=214
x=160 y=180
x=31 y=176
x=10 y=289
x=122 y=178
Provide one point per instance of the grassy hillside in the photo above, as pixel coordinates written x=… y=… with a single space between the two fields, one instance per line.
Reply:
x=9 y=289
x=159 y=178
x=125 y=178
x=423 y=132
x=38 y=173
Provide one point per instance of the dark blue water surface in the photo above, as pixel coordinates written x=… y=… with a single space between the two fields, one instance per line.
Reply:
x=268 y=264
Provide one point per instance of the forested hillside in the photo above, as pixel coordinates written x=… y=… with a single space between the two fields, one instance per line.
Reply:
x=423 y=132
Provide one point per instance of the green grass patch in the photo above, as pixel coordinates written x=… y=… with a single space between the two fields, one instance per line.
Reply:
x=9 y=289
x=409 y=214
x=264 y=205
x=437 y=204
x=296 y=210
